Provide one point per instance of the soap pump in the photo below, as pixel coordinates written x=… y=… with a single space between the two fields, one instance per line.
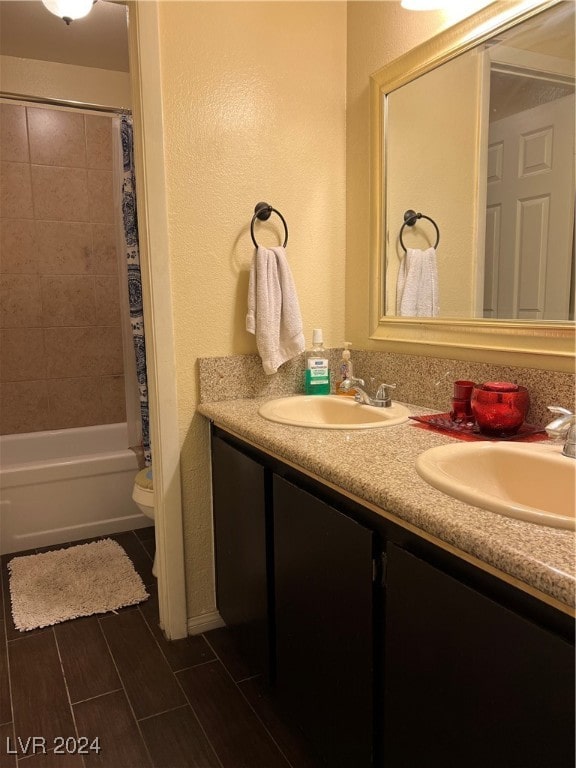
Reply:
x=345 y=371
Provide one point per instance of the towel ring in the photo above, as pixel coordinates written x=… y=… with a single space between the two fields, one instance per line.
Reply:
x=410 y=218
x=263 y=212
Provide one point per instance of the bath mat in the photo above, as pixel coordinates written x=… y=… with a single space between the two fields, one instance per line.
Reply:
x=52 y=587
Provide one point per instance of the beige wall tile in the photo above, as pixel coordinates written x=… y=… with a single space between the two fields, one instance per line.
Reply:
x=113 y=399
x=68 y=300
x=98 y=142
x=107 y=300
x=23 y=357
x=56 y=137
x=101 y=196
x=76 y=352
x=69 y=352
x=60 y=193
x=64 y=247
x=13 y=133
x=75 y=402
x=20 y=301
x=23 y=407
x=18 y=252
x=15 y=191
x=105 y=258
x=60 y=303
x=107 y=350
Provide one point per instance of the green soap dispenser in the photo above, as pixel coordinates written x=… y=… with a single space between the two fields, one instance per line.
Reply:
x=317 y=373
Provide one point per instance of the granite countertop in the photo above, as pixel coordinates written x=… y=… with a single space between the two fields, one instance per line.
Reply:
x=377 y=466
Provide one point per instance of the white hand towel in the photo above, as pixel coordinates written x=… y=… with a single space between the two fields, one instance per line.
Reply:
x=417 y=286
x=273 y=309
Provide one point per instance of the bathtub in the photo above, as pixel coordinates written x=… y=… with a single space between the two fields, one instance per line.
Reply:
x=66 y=485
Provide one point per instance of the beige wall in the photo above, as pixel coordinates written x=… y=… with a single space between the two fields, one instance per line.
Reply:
x=254 y=109
x=52 y=80
x=378 y=32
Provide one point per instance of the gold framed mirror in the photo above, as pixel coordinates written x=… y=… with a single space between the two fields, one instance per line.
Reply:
x=514 y=339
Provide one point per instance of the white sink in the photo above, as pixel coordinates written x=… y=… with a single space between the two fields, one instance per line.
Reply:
x=532 y=482
x=331 y=412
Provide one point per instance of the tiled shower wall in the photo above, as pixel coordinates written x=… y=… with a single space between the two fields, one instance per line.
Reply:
x=61 y=360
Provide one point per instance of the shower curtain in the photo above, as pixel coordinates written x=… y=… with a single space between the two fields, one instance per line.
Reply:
x=130 y=222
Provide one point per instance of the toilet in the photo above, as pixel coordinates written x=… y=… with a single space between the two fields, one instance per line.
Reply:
x=143 y=495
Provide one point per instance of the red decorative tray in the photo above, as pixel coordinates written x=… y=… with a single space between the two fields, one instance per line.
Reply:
x=443 y=422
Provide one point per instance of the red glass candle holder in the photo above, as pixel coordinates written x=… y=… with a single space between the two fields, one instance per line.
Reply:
x=500 y=408
x=461 y=407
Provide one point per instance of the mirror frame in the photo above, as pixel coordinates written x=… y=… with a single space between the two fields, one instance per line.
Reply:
x=533 y=344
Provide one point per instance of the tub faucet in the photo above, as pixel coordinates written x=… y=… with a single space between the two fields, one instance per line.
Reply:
x=564 y=425
x=382 y=398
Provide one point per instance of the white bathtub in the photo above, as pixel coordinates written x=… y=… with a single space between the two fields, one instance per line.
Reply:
x=66 y=485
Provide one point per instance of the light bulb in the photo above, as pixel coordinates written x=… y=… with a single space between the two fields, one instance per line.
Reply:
x=69 y=9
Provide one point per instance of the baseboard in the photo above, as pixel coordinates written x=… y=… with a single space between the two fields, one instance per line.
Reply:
x=204 y=623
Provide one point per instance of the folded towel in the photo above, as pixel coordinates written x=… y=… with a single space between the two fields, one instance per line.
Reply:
x=417 y=286
x=273 y=309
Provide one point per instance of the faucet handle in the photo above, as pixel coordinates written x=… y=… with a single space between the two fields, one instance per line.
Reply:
x=559 y=426
x=382 y=391
x=559 y=409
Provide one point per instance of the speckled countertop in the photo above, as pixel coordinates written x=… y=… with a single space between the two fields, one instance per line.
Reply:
x=377 y=466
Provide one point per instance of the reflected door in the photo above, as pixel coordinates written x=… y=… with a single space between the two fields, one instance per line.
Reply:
x=529 y=243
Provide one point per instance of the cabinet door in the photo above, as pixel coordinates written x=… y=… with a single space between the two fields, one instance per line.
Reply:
x=468 y=682
x=324 y=624
x=239 y=504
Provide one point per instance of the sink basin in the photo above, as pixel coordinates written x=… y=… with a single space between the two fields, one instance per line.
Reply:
x=331 y=412
x=528 y=482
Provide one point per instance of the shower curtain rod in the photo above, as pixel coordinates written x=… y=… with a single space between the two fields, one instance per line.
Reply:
x=65 y=103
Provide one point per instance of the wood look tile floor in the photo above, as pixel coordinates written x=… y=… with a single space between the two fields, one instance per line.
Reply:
x=113 y=681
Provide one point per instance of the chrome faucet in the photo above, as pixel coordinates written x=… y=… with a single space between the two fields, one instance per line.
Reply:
x=564 y=426
x=382 y=398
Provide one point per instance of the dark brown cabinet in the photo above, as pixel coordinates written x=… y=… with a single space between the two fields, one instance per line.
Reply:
x=324 y=624
x=468 y=682
x=241 y=550
x=426 y=662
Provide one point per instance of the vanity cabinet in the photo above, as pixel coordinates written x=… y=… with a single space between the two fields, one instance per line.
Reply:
x=241 y=536
x=323 y=570
x=468 y=682
x=383 y=647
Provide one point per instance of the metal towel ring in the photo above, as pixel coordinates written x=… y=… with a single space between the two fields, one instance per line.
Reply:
x=410 y=218
x=263 y=212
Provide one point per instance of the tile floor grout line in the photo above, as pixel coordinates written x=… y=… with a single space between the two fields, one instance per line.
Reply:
x=143 y=548
x=175 y=676
x=193 y=666
x=98 y=696
x=164 y=712
x=288 y=763
x=200 y=724
x=72 y=714
x=249 y=677
x=145 y=745
x=26 y=633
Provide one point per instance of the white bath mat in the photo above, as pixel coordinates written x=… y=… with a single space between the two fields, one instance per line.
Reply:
x=67 y=583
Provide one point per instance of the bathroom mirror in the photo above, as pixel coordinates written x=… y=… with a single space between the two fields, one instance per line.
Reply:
x=441 y=119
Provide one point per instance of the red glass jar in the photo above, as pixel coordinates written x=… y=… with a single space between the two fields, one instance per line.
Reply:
x=461 y=412
x=500 y=407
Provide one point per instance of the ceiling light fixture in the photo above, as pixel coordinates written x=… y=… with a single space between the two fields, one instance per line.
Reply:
x=69 y=10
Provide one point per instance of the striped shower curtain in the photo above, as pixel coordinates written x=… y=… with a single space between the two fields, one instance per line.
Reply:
x=130 y=222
